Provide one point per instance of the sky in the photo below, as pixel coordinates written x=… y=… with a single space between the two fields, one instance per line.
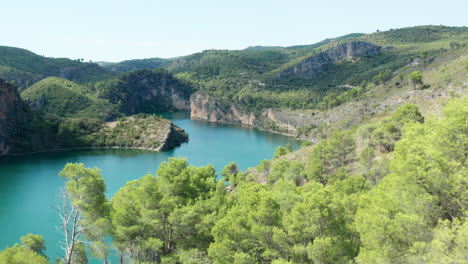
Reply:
x=115 y=30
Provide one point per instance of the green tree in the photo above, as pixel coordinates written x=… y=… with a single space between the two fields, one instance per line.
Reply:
x=247 y=233
x=280 y=151
x=31 y=251
x=35 y=243
x=86 y=189
x=416 y=78
x=329 y=155
x=155 y=217
x=389 y=130
x=426 y=185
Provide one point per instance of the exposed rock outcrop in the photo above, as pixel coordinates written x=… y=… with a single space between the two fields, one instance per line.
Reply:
x=175 y=137
x=314 y=65
x=146 y=132
x=205 y=107
x=12 y=112
x=147 y=91
x=312 y=125
x=25 y=131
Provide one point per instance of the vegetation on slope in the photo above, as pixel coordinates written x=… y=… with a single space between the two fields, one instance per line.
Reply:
x=144 y=91
x=350 y=198
x=46 y=133
x=65 y=98
x=23 y=67
x=249 y=77
x=131 y=65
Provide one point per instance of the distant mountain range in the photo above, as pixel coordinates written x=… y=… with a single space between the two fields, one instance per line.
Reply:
x=316 y=77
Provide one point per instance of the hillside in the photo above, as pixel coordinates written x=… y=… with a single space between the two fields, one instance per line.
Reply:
x=145 y=91
x=28 y=127
x=137 y=64
x=336 y=88
x=43 y=133
x=23 y=68
x=65 y=98
x=302 y=78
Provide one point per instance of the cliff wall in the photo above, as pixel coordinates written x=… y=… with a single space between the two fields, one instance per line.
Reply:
x=12 y=113
x=310 y=67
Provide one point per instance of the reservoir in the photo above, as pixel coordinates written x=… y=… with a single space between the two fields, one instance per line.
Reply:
x=29 y=185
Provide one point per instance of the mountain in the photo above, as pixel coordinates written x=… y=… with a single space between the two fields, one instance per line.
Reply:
x=289 y=90
x=338 y=84
x=24 y=68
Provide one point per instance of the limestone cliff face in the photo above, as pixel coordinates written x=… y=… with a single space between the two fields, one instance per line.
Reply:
x=205 y=107
x=147 y=91
x=12 y=112
x=314 y=65
x=291 y=122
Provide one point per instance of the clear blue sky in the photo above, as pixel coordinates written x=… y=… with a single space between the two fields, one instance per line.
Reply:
x=115 y=30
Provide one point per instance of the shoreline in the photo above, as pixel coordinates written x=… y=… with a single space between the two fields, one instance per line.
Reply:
x=82 y=148
x=253 y=126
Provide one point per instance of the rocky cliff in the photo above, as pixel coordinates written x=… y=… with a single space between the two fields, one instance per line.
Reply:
x=146 y=132
x=12 y=112
x=146 y=91
x=206 y=107
x=310 y=67
x=25 y=131
x=312 y=125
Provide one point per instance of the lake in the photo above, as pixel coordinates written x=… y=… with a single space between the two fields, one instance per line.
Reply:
x=29 y=185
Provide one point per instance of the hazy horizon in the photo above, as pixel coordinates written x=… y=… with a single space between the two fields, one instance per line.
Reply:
x=114 y=31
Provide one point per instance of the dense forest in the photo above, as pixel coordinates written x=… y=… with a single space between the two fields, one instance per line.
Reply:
x=393 y=191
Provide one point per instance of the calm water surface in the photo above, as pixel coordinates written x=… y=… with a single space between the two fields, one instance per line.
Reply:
x=29 y=185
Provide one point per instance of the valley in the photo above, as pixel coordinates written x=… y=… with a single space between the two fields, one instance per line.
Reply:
x=349 y=150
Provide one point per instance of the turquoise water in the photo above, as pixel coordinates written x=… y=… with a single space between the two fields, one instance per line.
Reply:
x=29 y=185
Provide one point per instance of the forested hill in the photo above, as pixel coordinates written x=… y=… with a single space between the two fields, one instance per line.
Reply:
x=23 y=68
x=314 y=76
x=296 y=77
x=57 y=114
x=137 y=64
x=296 y=90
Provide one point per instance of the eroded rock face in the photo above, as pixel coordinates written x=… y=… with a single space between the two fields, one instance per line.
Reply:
x=146 y=91
x=12 y=112
x=314 y=65
x=290 y=122
x=205 y=107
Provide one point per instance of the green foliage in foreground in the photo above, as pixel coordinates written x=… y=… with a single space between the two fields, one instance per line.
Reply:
x=283 y=212
x=31 y=250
